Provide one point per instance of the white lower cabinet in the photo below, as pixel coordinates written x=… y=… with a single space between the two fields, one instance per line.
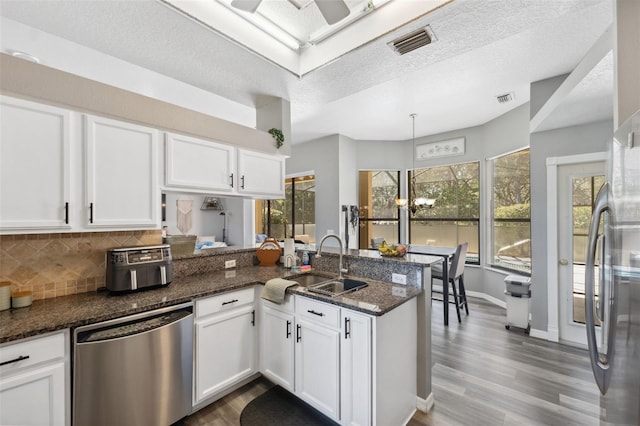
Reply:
x=317 y=365
x=34 y=385
x=357 y=369
x=225 y=342
x=355 y=366
x=277 y=343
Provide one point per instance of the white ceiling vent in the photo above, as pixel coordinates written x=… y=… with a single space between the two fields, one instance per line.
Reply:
x=507 y=97
x=412 y=41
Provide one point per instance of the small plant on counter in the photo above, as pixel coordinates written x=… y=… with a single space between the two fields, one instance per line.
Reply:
x=278 y=136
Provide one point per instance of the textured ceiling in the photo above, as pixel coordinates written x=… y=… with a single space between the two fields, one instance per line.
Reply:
x=484 y=48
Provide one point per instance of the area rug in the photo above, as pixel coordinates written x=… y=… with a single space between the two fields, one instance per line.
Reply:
x=277 y=407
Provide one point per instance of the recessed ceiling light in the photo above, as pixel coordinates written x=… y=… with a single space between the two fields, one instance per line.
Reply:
x=25 y=56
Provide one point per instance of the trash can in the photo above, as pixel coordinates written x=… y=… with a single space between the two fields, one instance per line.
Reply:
x=518 y=291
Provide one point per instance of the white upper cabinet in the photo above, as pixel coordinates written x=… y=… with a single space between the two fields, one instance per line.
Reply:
x=200 y=165
x=34 y=166
x=261 y=175
x=121 y=174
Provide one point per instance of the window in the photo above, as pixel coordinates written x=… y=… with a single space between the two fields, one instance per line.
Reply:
x=511 y=212
x=292 y=217
x=455 y=216
x=379 y=216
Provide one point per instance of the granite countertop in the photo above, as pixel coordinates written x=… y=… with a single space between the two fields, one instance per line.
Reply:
x=72 y=311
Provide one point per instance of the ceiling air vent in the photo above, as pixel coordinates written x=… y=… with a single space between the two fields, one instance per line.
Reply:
x=412 y=41
x=507 y=97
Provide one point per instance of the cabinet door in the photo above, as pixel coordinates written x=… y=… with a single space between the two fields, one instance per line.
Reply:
x=356 y=368
x=121 y=174
x=225 y=351
x=317 y=366
x=34 y=397
x=277 y=347
x=34 y=165
x=199 y=165
x=260 y=174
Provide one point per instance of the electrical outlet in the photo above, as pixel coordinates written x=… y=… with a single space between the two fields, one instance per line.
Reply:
x=399 y=291
x=229 y=264
x=399 y=278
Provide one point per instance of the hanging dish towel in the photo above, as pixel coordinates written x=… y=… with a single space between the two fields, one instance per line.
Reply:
x=185 y=208
x=274 y=289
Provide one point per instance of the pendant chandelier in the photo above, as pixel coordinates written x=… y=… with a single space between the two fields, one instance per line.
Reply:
x=414 y=203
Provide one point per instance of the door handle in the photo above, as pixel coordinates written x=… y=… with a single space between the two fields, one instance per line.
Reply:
x=288 y=329
x=563 y=262
x=600 y=362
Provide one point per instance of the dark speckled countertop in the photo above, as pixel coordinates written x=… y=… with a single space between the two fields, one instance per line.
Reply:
x=85 y=308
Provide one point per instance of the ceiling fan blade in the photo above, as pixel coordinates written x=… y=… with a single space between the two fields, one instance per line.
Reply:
x=246 y=5
x=333 y=10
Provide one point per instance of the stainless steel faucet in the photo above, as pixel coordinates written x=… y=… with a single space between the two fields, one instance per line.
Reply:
x=337 y=237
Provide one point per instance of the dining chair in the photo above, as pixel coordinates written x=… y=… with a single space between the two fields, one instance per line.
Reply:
x=456 y=274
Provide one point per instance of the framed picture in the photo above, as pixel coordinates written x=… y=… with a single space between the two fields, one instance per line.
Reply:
x=440 y=149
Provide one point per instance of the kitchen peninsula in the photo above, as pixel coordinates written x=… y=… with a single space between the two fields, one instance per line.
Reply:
x=202 y=277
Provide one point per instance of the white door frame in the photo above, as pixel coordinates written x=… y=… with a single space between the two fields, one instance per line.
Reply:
x=553 y=314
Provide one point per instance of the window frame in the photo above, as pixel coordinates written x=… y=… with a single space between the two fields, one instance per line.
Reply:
x=457 y=219
x=396 y=219
x=489 y=262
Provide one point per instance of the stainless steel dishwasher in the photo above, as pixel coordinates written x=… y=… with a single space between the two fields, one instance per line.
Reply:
x=135 y=370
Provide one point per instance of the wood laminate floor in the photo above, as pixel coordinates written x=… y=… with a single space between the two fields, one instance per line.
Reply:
x=482 y=374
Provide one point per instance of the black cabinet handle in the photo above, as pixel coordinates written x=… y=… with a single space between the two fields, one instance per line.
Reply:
x=90 y=212
x=347 y=327
x=253 y=318
x=11 y=361
x=298 y=334
x=229 y=302
x=242 y=182
x=311 y=311
x=288 y=329
x=66 y=213
x=231 y=179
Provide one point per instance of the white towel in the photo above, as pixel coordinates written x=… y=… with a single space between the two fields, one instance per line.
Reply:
x=275 y=289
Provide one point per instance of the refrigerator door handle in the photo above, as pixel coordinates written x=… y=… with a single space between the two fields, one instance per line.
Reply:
x=600 y=362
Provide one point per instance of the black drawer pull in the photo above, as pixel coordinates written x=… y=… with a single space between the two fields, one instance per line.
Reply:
x=253 y=318
x=66 y=213
x=11 y=361
x=231 y=179
x=229 y=302
x=90 y=212
x=347 y=327
x=288 y=329
x=298 y=336
x=242 y=180
x=311 y=311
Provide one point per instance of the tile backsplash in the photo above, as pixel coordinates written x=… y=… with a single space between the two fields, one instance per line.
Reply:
x=52 y=265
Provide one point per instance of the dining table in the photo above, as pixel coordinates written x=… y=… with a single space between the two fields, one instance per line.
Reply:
x=447 y=254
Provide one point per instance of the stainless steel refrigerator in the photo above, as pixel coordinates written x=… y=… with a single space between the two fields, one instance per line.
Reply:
x=613 y=281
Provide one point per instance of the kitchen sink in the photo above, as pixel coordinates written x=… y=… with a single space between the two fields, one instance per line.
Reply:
x=336 y=287
x=308 y=280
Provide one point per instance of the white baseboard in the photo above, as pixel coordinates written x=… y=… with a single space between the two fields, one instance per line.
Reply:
x=425 y=405
x=540 y=334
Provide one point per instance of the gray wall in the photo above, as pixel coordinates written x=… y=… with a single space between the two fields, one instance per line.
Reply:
x=575 y=140
x=505 y=134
